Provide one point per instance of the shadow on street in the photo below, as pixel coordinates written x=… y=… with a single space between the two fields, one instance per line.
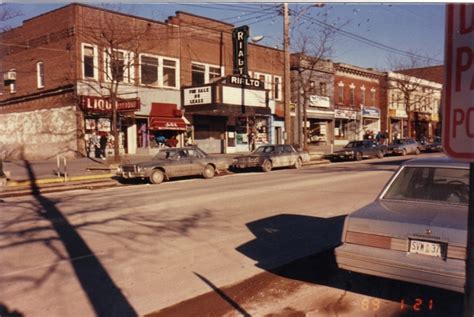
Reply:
x=283 y=237
x=104 y=296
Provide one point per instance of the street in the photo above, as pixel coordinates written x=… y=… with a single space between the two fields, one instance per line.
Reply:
x=241 y=244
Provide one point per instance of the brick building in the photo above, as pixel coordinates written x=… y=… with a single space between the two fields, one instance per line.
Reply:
x=358 y=102
x=60 y=71
x=430 y=73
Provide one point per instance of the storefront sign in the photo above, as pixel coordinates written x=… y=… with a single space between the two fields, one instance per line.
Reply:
x=370 y=112
x=239 y=39
x=345 y=114
x=398 y=113
x=198 y=95
x=245 y=81
x=319 y=101
x=104 y=105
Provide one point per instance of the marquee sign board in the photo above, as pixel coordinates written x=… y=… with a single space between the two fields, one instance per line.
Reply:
x=458 y=108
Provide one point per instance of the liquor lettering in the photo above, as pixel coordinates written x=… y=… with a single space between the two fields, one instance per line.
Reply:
x=97 y=104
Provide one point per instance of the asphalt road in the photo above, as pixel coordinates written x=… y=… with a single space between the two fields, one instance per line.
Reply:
x=134 y=250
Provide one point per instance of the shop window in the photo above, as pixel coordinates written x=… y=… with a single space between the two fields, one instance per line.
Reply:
x=149 y=70
x=352 y=96
x=119 y=66
x=169 y=73
x=89 y=61
x=40 y=75
x=203 y=73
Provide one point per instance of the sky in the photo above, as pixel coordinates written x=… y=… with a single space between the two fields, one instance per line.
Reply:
x=366 y=34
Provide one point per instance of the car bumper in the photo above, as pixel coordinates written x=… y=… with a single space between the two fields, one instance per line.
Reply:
x=246 y=165
x=132 y=174
x=343 y=156
x=447 y=274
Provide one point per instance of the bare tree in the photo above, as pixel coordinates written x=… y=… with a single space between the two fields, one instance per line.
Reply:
x=312 y=40
x=415 y=93
x=7 y=14
x=119 y=41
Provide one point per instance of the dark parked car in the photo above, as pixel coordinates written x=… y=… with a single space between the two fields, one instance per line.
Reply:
x=269 y=156
x=175 y=162
x=404 y=147
x=357 y=150
x=416 y=230
x=434 y=146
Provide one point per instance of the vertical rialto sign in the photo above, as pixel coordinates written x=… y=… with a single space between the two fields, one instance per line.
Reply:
x=239 y=38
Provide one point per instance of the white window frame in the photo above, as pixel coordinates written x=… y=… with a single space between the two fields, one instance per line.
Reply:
x=95 y=59
x=13 y=83
x=206 y=70
x=128 y=73
x=39 y=76
x=161 y=67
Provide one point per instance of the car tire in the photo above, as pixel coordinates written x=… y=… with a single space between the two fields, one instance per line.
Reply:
x=208 y=171
x=379 y=154
x=267 y=166
x=417 y=151
x=157 y=177
x=298 y=163
x=404 y=152
x=358 y=156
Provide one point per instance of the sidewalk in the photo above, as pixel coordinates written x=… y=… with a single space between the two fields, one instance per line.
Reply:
x=81 y=169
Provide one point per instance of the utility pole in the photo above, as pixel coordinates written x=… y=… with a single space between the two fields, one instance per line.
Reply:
x=286 y=75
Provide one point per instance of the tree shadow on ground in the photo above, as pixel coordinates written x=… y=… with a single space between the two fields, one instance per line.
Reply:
x=6 y=312
x=284 y=237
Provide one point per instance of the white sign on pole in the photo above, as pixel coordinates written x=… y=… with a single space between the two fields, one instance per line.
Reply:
x=458 y=110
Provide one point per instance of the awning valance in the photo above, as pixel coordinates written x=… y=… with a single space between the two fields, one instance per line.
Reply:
x=166 y=123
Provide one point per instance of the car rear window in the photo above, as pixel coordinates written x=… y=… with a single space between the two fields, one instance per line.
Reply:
x=435 y=184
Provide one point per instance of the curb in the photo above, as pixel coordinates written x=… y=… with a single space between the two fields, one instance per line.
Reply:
x=59 y=180
x=318 y=162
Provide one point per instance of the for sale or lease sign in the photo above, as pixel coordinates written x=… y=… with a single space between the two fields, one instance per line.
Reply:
x=458 y=110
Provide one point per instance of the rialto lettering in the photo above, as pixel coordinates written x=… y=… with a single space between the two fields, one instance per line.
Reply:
x=245 y=81
x=240 y=36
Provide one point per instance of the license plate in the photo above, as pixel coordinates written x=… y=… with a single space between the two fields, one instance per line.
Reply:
x=426 y=248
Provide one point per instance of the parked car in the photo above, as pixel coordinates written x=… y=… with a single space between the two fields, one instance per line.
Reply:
x=357 y=150
x=434 y=146
x=175 y=162
x=269 y=156
x=404 y=147
x=416 y=230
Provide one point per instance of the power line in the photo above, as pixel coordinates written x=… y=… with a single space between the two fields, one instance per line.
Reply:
x=368 y=41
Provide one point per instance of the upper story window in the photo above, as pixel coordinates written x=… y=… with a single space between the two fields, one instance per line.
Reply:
x=89 y=61
x=158 y=71
x=40 y=75
x=274 y=86
x=372 y=97
x=12 y=83
x=203 y=73
x=323 y=91
x=362 y=95
x=352 y=96
x=340 y=94
x=312 y=87
x=119 y=66
x=277 y=88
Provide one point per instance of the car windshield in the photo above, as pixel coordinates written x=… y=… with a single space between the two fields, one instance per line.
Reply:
x=434 y=184
x=399 y=141
x=265 y=149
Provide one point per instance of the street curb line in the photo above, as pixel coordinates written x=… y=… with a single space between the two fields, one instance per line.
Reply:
x=59 y=180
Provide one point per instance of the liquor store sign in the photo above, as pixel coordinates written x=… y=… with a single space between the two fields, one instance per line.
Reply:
x=94 y=104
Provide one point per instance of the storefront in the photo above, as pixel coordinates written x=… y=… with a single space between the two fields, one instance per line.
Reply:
x=422 y=125
x=370 y=121
x=346 y=126
x=98 y=125
x=231 y=115
x=398 y=127
x=165 y=124
x=320 y=120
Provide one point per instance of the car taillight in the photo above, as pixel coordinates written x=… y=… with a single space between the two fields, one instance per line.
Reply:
x=376 y=241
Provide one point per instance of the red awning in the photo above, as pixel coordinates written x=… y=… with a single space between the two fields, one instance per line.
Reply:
x=166 y=123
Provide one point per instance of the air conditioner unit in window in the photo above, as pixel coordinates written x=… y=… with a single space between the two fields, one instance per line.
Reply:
x=9 y=76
